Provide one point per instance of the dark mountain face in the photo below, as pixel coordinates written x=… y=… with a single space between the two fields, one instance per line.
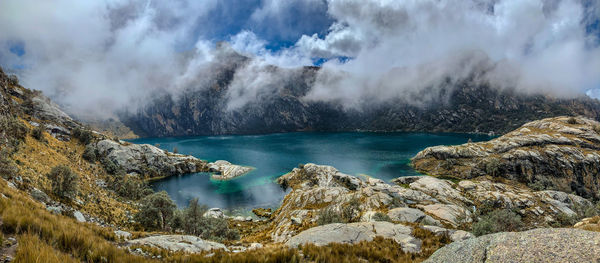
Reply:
x=462 y=107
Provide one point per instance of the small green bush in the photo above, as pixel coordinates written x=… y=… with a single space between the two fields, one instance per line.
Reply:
x=348 y=213
x=64 y=182
x=541 y=184
x=130 y=187
x=111 y=166
x=572 y=120
x=156 y=211
x=85 y=136
x=192 y=221
x=12 y=127
x=38 y=133
x=492 y=167
x=329 y=216
x=501 y=220
x=8 y=169
x=381 y=217
x=89 y=154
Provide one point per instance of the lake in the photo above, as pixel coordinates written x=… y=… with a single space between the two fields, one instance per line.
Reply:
x=381 y=155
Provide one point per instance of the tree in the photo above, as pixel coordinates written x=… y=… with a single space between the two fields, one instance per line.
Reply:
x=89 y=153
x=156 y=211
x=64 y=182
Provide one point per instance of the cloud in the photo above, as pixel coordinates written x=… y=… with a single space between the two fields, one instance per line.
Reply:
x=400 y=48
x=102 y=56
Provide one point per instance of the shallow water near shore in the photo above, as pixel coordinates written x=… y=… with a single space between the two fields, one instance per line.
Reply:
x=380 y=155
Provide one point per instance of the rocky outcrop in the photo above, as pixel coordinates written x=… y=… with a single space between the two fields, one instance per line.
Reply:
x=224 y=170
x=355 y=232
x=45 y=109
x=421 y=199
x=538 y=245
x=140 y=158
x=561 y=153
x=181 y=243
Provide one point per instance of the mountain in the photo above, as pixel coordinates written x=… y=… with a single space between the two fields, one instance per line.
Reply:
x=69 y=194
x=468 y=106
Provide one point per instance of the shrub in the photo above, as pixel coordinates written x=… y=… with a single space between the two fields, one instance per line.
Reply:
x=64 y=182
x=381 y=217
x=501 y=220
x=572 y=120
x=13 y=127
x=38 y=133
x=8 y=169
x=192 y=221
x=175 y=150
x=564 y=220
x=130 y=187
x=351 y=210
x=111 y=166
x=89 y=153
x=156 y=211
x=329 y=216
x=492 y=167
x=541 y=183
x=346 y=214
x=85 y=136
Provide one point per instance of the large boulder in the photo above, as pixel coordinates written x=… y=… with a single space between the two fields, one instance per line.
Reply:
x=355 y=232
x=561 y=153
x=224 y=170
x=406 y=214
x=182 y=243
x=140 y=157
x=538 y=245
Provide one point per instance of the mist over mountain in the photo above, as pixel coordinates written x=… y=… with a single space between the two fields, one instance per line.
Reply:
x=375 y=58
x=220 y=105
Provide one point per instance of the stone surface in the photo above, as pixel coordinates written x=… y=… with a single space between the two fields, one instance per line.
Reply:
x=224 y=170
x=139 y=158
x=561 y=153
x=355 y=232
x=452 y=214
x=405 y=214
x=538 y=245
x=79 y=216
x=425 y=200
x=124 y=235
x=215 y=212
x=183 y=243
x=39 y=195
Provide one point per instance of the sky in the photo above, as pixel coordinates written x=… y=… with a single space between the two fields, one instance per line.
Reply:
x=97 y=57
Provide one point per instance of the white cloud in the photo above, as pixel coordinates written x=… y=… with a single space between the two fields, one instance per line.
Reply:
x=401 y=48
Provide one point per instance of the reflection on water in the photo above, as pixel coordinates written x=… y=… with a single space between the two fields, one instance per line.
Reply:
x=381 y=155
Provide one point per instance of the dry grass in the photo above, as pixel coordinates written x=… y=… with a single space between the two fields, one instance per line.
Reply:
x=35 y=160
x=593 y=224
x=29 y=220
x=32 y=250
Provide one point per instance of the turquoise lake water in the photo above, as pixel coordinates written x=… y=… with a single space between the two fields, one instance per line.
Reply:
x=381 y=155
